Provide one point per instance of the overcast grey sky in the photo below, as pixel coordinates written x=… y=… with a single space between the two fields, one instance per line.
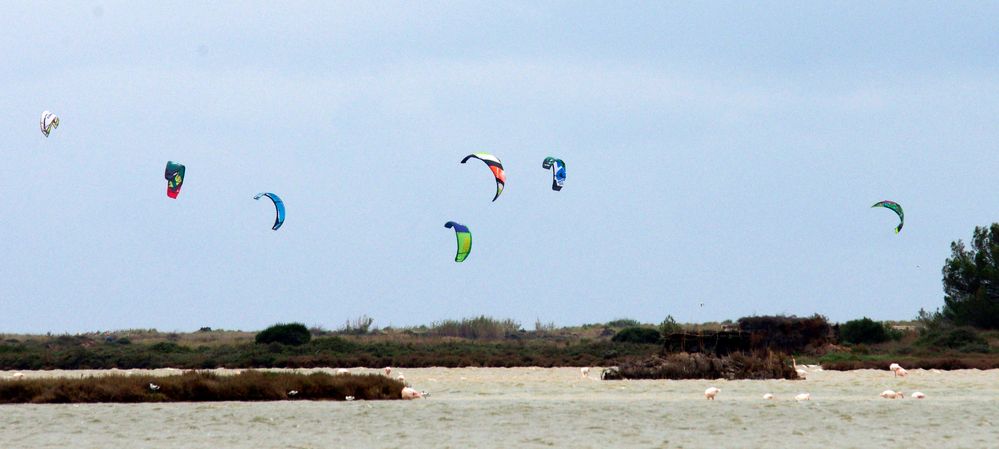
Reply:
x=722 y=153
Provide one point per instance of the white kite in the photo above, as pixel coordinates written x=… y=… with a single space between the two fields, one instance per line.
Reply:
x=49 y=122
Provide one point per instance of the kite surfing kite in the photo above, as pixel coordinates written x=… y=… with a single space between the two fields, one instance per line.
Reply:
x=175 y=178
x=464 y=237
x=558 y=171
x=495 y=165
x=49 y=122
x=278 y=207
x=895 y=207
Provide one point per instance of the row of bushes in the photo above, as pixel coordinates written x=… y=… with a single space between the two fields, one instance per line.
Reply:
x=935 y=337
x=196 y=387
x=476 y=328
x=318 y=352
x=791 y=334
x=785 y=334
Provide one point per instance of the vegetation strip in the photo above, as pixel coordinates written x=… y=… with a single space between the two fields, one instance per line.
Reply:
x=200 y=387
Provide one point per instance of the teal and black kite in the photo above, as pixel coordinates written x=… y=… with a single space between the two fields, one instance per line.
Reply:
x=278 y=208
x=895 y=207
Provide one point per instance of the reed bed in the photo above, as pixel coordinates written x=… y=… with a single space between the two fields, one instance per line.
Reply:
x=196 y=386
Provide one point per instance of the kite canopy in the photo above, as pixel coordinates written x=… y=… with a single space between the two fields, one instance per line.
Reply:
x=278 y=208
x=48 y=122
x=495 y=165
x=897 y=208
x=464 y=237
x=558 y=171
x=175 y=178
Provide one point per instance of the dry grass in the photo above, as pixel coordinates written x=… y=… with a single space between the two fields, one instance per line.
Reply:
x=198 y=386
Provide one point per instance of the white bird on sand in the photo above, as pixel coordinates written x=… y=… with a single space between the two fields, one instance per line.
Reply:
x=901 y=372
x=342 y=371
x=799 y=368
x=409 y=393
x=292 y=392
x=388 y=370
x=891 y=394
x=768 y=396
x=153 y=386
x=400 y=378
x=711 y=392
x=585 y=371
x=803 y=397
x=895 y=368
x=918 y=395
x=17 y=376
x=349 y=398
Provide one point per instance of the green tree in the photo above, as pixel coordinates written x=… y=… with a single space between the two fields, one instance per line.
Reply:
x=864 y=330
x=669 y=326
x=292 y=334
x=971 y=281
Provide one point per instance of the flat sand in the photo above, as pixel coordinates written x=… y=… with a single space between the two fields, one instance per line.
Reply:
x=541 y=407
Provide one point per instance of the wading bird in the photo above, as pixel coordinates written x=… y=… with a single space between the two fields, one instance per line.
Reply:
x=711 y=392
x=409 y=393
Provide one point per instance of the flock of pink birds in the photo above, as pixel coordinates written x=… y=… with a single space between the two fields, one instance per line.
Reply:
x=895 y=368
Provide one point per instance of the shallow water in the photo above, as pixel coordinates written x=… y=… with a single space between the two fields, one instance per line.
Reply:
x=533 y=407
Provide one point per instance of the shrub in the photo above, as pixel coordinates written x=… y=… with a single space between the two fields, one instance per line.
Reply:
x=975 y=347
x=622 y=323
x=481 y=327
x=360 y=326
x=292 y=334
x=637 y=334
x=669 y=326
x=168 y=346
x=956 y=338
x=544 y=328
x=864 y=330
